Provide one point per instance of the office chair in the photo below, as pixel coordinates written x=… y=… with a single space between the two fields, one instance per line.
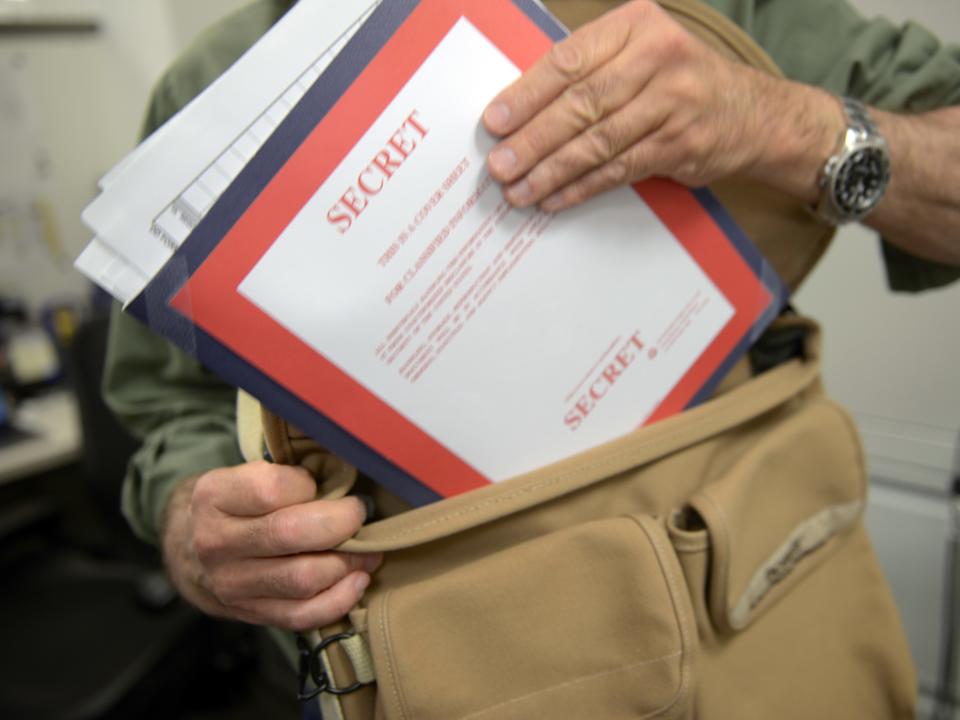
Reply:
x=89 y=625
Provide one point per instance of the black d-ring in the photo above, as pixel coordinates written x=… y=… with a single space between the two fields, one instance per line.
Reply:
x=311 y=668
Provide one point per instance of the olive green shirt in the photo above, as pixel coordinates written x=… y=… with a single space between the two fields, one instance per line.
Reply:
x=185 y=415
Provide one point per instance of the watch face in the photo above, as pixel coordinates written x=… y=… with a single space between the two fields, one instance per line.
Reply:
x=860 y=181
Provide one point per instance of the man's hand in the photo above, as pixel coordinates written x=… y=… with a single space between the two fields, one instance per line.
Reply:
x=633 y=95
x=251 y=543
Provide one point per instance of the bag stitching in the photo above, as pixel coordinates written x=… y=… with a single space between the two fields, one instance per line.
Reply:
x=721 y=515
x=663 y=549
x=670 y=581
x=392 y=670
x=574 y=681
x=855 y=437
x=721 y=586
x=598 y=466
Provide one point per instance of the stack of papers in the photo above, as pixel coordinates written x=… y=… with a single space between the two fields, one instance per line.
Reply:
x=319 y=228
x=156 y=195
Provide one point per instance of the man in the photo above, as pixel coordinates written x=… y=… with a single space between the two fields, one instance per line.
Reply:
x=629 y=96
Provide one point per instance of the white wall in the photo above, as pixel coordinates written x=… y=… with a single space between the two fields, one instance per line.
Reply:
x=83 y=97
x=892 y=358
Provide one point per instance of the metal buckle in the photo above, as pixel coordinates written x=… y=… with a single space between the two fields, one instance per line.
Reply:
x=311 y=668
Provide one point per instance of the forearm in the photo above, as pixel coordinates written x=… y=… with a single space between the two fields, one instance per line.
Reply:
x=921 y=210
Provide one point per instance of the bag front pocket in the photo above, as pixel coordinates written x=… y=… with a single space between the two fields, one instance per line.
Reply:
x=778 y=511
x=593 y=621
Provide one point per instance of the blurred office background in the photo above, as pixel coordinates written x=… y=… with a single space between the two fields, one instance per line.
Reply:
x=90 y=627
x=74 y=80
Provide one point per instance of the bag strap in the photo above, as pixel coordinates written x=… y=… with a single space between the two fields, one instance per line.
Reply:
x=720 y=33
x=762 y=394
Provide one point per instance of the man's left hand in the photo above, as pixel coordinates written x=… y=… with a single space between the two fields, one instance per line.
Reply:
x=633 y=95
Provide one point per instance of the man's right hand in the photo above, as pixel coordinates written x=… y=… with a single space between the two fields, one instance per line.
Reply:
x=251 y=543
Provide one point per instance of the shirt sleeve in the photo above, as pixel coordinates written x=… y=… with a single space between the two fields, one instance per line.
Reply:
x=902 y=68
x=184 y=414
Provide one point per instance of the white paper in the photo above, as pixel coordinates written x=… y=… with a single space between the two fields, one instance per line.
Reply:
x=110 y=271
x=447 y=313
x=152 y=200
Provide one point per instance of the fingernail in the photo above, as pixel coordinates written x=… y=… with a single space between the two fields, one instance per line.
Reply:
x=372 y=562
x=369 y=506
x=520 y=193
x=496 y=116
x=361 y=583
x=359 y=503
x=502 y=162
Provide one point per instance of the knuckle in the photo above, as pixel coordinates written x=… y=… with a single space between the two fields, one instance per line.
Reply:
x=674 y=41
x=690 y=171
x=342 y=521
x=535 y=142
x=566 y=59
x=544 y=175
x=300 y=580
x=584 y=103
x=673 y=44
x=339 y=605
x=250 y=611
x=266 y=489
x=686 y=89
x=301 y=616
x=207 y=544
x=617 y=171
x=602 y=142
x=224 y=589
x=204 y=491
x=574 y=194
x=297 y=618
x=694 y=147
x=282 y=531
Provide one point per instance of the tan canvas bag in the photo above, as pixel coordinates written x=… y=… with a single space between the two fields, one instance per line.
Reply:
x=712 y=565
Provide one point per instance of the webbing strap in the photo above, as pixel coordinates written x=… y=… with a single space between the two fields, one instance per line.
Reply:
x=249 y=427
x=318 y=665
x=330 y=707
x=358 y=651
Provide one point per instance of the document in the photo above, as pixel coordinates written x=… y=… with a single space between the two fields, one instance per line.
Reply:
x=364 y=278
x=156 y=195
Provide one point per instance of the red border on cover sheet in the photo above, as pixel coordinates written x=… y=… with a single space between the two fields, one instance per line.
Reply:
x=210 y=298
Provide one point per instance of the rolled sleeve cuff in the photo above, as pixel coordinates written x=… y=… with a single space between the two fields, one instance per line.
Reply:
x=184 y=448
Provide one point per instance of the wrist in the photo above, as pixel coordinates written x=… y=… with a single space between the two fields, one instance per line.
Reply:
x=855 y=177
x=176 y=547
x=803 y=128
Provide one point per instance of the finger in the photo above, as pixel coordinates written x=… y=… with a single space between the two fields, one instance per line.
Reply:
x=633 y=165
x=296 y=577
x=582 y=106
x=564 y=64
x=254 y=489
x=298 y=615
x=599 y=146
x=307 y=527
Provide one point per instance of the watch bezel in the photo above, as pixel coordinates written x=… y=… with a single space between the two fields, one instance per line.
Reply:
x=859 y=155
x=861 y=137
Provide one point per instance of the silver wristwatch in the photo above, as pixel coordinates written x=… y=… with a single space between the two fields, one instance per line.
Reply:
x=854 y=179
